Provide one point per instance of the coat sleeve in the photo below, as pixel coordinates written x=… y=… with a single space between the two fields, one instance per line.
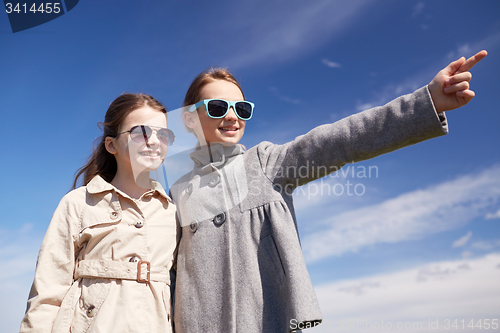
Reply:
x=404 y=121
x=54 y=269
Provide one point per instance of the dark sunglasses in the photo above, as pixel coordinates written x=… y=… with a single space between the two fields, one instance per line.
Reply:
x=218 y=108
x=142 y=133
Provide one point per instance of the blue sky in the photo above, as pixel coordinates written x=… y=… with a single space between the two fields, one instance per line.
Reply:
x=422 y=242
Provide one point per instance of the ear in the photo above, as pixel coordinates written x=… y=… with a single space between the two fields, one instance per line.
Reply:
x=109 y=143
x=189 y=119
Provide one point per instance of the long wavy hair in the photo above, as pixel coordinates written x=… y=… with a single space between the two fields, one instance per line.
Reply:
x=101 y=162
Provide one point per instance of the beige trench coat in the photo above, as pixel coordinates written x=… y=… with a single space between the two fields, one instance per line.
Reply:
x=97 y=242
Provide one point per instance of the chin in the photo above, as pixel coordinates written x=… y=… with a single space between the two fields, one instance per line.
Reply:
x=229 y=143
x=148 y=165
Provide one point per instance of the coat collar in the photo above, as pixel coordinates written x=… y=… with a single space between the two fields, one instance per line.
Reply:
x=216 y=154
x=99 y=185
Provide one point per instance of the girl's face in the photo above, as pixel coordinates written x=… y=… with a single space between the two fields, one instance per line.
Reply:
x=146 y=155
x=228 y=130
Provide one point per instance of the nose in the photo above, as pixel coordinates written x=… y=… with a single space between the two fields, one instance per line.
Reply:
x=231 y=115
x=153 y=140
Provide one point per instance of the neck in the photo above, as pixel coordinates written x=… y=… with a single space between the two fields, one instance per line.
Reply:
x=133 y=187
x=203 y=144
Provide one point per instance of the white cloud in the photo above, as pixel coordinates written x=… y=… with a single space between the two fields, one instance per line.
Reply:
x=467 y=254
x=462 y=50
x=463 y=289
x=284 y=98
x=425 y=75
x=418 y=9
x=462 y=240
x=413 y=215
x=393 y=90
x=365 y=106
x=330 y=64
x=299 y=28
x=490 y=216
x=486 y=245
x=467 y=50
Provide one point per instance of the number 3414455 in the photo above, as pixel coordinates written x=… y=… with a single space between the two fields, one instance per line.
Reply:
x=43 y=8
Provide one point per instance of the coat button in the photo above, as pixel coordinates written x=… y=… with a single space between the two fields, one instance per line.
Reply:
x=91 y=311
x=139 y=224
x=113 y=215
x=134 y=259
x=214 y=181
x=193 y=226
x=189 y=189
x=219 y=219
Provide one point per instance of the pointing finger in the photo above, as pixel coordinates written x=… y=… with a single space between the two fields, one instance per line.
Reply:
x=469 y=63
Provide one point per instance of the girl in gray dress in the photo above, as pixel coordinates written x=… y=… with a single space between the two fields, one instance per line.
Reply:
x=240 y=267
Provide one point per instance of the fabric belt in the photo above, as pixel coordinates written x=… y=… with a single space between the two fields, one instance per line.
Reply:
x=140 y=271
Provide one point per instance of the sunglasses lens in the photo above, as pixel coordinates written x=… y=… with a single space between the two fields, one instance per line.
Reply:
x=166 y=136
x=140 y=133
x=244 y=110
x=217 y=108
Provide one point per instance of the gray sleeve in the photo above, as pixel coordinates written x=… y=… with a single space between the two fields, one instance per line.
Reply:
x=405 y=121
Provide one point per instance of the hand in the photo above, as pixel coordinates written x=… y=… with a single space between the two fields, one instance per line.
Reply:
x=450 y=87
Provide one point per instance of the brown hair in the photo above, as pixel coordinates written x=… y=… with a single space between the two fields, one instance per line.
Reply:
x=101 y=162
x=204 y=78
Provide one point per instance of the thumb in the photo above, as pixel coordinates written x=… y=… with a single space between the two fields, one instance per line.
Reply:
x=454 y=66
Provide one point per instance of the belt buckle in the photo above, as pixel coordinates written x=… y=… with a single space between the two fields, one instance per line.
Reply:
x=139 y=267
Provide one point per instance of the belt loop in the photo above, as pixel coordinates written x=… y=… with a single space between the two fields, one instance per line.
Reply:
x=148 y=267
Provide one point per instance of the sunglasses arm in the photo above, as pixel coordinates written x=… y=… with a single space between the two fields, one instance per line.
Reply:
x=194 y=107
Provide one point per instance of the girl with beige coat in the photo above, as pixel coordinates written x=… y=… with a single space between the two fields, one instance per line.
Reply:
x=104 y=262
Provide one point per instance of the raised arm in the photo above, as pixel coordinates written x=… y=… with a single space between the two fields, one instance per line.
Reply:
x=404 y=121
x=450 y=87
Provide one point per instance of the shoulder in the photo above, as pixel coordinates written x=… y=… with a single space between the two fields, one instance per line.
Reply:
x=263 y=148
x=69 y=210
x=86 y=195
x=75 y=196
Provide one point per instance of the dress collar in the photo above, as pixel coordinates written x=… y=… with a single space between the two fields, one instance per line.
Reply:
x=99 y=185
x=215 y=154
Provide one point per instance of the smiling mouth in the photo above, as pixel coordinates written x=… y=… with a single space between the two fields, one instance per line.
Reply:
x=150 y=154
x=228 y=128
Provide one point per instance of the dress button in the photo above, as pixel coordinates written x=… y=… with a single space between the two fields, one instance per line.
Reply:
x=139 y=224
x=134 y=259
x=220 y=219
x=113 y=215
x=189 y=189
x=214 y=181
x=193 y=226
x=91 y=311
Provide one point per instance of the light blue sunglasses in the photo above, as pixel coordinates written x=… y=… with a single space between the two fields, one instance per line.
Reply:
x=218 y=108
